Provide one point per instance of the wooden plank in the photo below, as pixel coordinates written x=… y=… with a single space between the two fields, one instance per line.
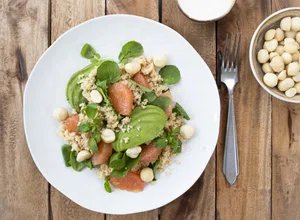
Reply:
x=147 y=9
x=65 y=15
x=250 y=196
x=199 y=201
x=23 y=190
x=285 y=150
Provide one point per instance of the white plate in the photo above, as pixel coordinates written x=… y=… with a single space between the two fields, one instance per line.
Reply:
x=45 y=91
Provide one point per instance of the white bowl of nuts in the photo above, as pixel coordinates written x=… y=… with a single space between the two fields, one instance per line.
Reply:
x=275 y=54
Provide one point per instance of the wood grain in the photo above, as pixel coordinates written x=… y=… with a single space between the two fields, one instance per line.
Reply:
x=199 y=201
x=147 y=9
x=65 y=15
x=250 y=196
x=23 y=190
x=285 y=150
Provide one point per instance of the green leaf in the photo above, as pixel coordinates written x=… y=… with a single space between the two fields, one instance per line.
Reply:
x=85 y=127
x=109 y=71
x=150 y=96
x=162 y=102
x=93 y=145
x=144 y=89
x=88 y=163
x=117 y=161
x=77 y=166
x=129 y=164
x=94 y=60
x=97 y=56
x=98 y=122
x=154 y=167
x=66 y=150
x=97 y=137
x=170 y=74
x=107 y=186
x=87 y=51
x=160 y=142
x=91 y=110
x=129 y=50
x=176 y=131
x=176 y=145
x=180 y=111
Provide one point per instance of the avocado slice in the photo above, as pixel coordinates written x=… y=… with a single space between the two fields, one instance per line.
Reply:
x=146 y=125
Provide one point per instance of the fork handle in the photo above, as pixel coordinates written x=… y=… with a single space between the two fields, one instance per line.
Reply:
x=231 y=161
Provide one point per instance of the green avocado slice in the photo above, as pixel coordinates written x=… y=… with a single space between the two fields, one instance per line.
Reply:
x=146 y=125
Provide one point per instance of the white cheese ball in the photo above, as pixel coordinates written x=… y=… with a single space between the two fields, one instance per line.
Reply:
x=270 y=34
x=285 y=84
x=293 y=69
x=282 y=75
x=108 y=135
x=187 y=131
x=132 y=67
x=271 y=45
x=297 y=87
x=279 y=35
x=263 y=56
x=277 y=64
x=270 y=79
x=295 y=24
x=280 y=50
x=290 y=34
x=60 y=114
x=286 y=23
x=96 y=97
x=287 y=58
x=83 y=155
x=291 y=92
x=160 y=60
x=147 y=174
x=133 y=152
x=267 y=68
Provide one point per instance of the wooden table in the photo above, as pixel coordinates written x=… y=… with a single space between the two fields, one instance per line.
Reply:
x=268 y=186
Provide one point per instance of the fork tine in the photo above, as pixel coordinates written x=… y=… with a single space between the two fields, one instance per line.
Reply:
x=224 y=52
x=238 y=52
x=233 y=53
x=228 y=53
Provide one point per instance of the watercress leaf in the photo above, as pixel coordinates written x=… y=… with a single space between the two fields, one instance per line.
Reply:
x=117 y=161
x=162 y=102
x=170 y=74
x=160 y=142
x=176 y=131
x=97 y=56
x=87 y=51
x=77 y=166
x=144 y=89
x=150 y=96
x=154 y=167
x=88 y=163
x=129 y=164
x=98 y=122
x=85 y=127
x=129 y=50
x=176 y=145
x=124 y=61
x=109 y=71
x=180 y=111
x=93 y=60
x=93 y=145
x=107 y=186
x=66 y=150
x=91 y=110
x=97 y=137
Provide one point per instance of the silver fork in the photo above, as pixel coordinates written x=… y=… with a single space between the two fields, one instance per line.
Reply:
x=229 y=76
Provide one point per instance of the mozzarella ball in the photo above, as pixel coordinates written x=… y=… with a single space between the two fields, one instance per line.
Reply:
x=132 y=67
x=147 y=174
x=83 y=155
x=133 y=152
x=271 y=45
x=160 y=60
x=187 y=132
x=277 y=64
x=263 y=56
x=273 y=54
x=290 y=34
x=270 y=34
x=285 y=84
x=282 y=75
x=287 y=58
x=108 y=135
x=267 y=68
x=293 y=69
x=279 y=35
x=270 y=79
x=96 y=97
x=291 y=92
x=280 y=50
x=291 y=47
x=297 y=87
x=298 y=37
x=286 y=23
x=295 y=24
x=60 y=114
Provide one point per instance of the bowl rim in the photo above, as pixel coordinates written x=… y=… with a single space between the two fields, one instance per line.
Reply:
x=286 y=99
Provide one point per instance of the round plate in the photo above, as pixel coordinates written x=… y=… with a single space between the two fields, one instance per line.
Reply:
x=45 y=90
